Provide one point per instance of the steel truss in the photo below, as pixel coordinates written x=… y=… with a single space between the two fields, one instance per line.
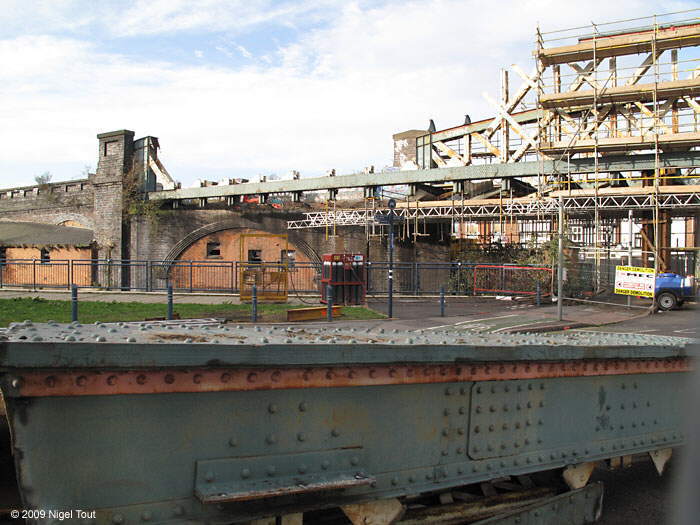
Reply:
x=514 y=207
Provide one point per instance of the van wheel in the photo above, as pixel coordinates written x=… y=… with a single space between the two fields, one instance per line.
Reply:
x=667 y=301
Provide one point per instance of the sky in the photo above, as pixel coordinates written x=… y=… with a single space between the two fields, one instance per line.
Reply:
x=258 y=87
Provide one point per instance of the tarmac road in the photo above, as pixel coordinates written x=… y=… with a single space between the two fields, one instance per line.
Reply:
x=679 y=323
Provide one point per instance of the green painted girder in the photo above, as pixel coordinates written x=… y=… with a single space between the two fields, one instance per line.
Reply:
x=521 y=117
x=688 y=159
x=233 y=455
x=164 y=456
x=264 y=353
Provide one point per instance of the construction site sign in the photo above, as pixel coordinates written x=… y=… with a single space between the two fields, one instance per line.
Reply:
x=634 y=280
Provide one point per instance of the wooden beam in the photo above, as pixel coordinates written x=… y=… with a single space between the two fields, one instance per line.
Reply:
x=438 y=159
x=582 y=73
x=525 y=146
x=378 y=512
x=517 y=98
x=651 y=115
x=444 y=148
x=490 y=147
x=507 y=117
x=505 y=129
x=642 y=69
x=692 y=103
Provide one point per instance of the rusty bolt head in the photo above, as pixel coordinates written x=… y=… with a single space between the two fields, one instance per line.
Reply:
x=141 y=379
x=81 y=381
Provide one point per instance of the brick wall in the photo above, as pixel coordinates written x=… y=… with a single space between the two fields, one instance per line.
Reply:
x=50 y=203
x=157 y=241
x=24 y=267
x=219 y=272
x=115 y=159
x=405 y=147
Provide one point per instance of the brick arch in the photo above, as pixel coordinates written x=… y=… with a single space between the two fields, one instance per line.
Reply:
x=236 y=224
x=84 y=220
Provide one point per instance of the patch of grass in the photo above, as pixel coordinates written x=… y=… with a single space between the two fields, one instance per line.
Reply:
x=41 y=310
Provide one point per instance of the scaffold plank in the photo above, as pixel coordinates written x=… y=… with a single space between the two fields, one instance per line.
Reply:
x=626 y=44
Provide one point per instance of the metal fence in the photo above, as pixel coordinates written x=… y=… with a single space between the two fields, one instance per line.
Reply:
x=419 y=278
x=185 y=276
x=457 y=278
x=592 y=278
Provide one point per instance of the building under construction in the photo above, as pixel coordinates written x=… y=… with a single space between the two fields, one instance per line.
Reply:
x=607 y=120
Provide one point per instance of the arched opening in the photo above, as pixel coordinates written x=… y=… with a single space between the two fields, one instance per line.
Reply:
x=213 y=260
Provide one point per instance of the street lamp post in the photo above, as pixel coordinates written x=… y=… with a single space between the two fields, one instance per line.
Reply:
x=390 y=308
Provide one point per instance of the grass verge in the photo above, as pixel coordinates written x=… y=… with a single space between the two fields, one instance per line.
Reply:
x=41 y=310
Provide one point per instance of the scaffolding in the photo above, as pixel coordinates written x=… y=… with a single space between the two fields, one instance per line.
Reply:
x=626 y=88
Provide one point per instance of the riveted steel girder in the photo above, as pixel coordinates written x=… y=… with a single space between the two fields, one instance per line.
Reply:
x=321 y=424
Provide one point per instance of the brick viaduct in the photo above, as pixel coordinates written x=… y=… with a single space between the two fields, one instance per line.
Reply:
x=102 y=203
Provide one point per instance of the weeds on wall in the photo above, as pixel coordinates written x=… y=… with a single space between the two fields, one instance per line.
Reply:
x=43 y=182
x=135 y=204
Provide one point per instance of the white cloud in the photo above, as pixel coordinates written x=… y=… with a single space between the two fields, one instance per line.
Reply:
x=243 y=51
x=333 y=99
x=126 y=19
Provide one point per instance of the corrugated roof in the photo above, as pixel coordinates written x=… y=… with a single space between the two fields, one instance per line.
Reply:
x=36 y=234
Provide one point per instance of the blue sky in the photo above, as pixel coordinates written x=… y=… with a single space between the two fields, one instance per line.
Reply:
x=245 y=88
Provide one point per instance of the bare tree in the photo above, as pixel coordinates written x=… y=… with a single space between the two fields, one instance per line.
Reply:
x=43 y=179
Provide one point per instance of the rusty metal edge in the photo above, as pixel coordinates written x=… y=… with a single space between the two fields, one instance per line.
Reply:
x=283 y=491
x=49 y=383
x=589 y=498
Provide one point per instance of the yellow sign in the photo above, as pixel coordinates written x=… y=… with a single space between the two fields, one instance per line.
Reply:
x=634 y=280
